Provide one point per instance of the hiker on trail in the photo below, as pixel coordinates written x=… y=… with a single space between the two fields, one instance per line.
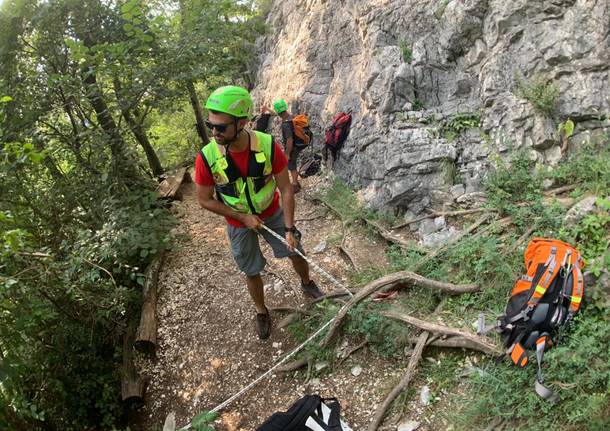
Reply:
x=288 y=137
x=246 y=169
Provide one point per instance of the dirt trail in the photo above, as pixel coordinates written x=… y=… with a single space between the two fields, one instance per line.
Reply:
x=208 y=349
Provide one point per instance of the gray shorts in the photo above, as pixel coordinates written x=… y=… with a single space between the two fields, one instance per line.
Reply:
x=294 y=157
x=246 y=249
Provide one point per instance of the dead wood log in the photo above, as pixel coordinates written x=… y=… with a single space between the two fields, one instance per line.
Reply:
x=146 y=337
x=168 y=188
x=393 y=280
x=455 y=343
x=560 y=190
x=386 y=234
x=483 y=344
x=444 y=214
x=404 y=382
x=522 y=239
x=132 y=385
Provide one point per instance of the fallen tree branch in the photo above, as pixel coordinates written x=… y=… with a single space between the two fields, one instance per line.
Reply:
x=294 y=365
x=443 y=214
x=392 y=280
x=455 y=343
x=560 y=190
x=522 y=239
x=404 y=382
x=483 y=344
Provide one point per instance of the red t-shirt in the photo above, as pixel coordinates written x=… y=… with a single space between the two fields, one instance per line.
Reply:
x=203 y=176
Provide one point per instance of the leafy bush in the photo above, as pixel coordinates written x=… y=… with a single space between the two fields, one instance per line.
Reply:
x=589 y=167
x=541 y=94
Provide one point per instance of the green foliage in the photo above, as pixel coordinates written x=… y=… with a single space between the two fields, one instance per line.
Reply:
x=418 y=105
x=578 y=364
x=174 y=135
x=202 y=421
x=566 y=128
x=386 y=337
x=342 y=199
x=589 y=167
x=514 y=186
x=450 y=128
x=540 y=93
x=406 y=52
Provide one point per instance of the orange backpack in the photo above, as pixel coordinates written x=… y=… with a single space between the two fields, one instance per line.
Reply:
x=302 y=132
x=543 y=301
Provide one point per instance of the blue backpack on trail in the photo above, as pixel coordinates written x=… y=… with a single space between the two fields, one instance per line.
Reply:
x=310 y=413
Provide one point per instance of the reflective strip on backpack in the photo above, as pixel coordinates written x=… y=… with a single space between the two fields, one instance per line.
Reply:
x=544 y=285
x=576 y=297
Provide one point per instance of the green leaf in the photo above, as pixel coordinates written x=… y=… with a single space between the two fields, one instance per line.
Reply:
x=5 y=99
x=202 y=419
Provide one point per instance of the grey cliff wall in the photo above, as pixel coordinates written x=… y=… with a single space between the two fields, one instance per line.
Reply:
x=467 y=57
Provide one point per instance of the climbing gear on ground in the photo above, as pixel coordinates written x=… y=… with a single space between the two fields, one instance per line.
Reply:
x=280 y=106
x=252 y=194
x=311 y=412
x=303 y=135
x=232 y=100
x=263 y=325
x=311 y=165
x=311 y=289
x=337 y=133
x=543 y=302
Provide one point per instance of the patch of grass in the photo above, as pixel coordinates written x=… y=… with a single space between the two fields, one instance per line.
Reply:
x=417 y=104
x=343 y=199
x=406 y=52
x=541 y=93
x=451 y=128
x=580 y=363
x=386 y=337
x=589 y=167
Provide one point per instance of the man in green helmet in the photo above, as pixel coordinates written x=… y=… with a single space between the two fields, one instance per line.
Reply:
x=292 y=150
x=246 y=169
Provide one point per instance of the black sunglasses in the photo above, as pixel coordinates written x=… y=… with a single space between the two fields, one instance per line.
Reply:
x=220 y=127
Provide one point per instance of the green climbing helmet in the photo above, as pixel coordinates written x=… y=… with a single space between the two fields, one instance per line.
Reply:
x=280 y=106
x=232 y=100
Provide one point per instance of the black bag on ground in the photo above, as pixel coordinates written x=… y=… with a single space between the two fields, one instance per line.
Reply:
x=311 y=165
x=310 y=413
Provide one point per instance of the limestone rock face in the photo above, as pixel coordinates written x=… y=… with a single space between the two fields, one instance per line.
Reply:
x=436 y=87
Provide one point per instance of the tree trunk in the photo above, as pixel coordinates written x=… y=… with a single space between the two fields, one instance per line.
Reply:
x=198 y=112
x=136 y=129
x=121 y=161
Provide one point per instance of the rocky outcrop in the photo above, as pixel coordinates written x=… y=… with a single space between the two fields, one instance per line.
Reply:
x=437 y=87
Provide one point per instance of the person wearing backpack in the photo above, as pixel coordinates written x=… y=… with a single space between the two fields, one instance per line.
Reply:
x=295 y=138
x=246 y=169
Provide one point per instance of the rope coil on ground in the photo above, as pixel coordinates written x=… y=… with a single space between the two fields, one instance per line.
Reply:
x=299 y=347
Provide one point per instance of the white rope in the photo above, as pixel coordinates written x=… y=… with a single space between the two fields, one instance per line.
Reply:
x=311 y=262
x=298 y=348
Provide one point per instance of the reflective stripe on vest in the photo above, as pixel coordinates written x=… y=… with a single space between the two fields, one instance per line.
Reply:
x=252 y=194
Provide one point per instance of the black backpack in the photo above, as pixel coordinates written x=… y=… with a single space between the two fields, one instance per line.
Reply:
x=310 y=413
